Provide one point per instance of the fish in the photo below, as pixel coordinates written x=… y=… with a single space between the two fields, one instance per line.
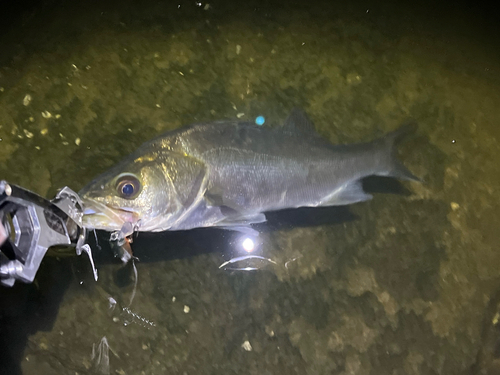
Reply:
x=228 y=174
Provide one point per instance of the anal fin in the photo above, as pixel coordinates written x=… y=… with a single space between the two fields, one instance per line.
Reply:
x=348 y=194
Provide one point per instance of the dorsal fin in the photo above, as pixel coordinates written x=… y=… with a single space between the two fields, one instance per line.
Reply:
x=298 y=121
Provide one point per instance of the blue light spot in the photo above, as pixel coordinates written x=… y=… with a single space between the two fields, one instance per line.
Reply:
x=260 y=120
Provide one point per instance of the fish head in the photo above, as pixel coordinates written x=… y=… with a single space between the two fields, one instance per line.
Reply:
x=135 y=191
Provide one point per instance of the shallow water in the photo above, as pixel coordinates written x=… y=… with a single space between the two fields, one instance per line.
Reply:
x=408 y=283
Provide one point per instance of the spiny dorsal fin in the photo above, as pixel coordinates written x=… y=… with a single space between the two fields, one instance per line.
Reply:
x=298 y=121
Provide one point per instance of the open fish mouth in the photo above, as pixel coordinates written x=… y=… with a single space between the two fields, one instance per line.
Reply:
x=97 y=215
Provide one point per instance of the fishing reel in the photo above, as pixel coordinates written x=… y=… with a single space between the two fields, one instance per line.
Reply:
x=30 y=224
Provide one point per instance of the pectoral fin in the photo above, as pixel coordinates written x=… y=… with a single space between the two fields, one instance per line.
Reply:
x=213 y=197
x=233 y=220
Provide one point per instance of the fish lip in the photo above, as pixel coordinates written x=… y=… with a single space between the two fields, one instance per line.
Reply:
x=115 y=215
x=90 y=203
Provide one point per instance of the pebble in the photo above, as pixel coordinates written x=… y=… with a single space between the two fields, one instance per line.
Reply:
x=247 y=346
x=27 y=133
x=27 y=100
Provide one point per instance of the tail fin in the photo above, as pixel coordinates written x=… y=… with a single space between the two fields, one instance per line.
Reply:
x=389 y=144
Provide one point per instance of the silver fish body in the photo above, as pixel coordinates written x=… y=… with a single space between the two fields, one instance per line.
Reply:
x=228 y=174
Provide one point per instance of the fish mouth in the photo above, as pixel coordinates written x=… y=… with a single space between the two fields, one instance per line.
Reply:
x=100 y=216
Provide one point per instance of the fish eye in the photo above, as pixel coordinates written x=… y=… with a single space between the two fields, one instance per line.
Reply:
x=128 y=186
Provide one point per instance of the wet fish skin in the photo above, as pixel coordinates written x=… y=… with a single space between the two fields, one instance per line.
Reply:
x=228 y=174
